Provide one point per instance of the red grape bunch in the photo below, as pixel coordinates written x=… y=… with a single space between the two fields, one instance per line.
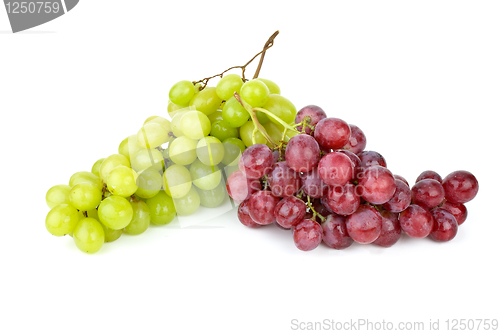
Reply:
x=326 y=187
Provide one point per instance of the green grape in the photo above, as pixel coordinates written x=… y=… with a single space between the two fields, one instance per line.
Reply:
x=149 y=183
x=210 y=151
x=147 y=158
x=62 y=219
x=140 y=221
x=92 y=213
x=234 y=113
x=121 y=181
x=172 y=109
x=216 y=116
x=255 y=93
x=203 y=176
x=110 y=163
x=271 y=85
x=261 y=117
x=281 y=107
x=152 y=135
x=195 y=124
x=129 y=146
x=177 y=181
x=221 y=130
x=115 y=212
x=233 y=147
x=96 y=166
x=206 y=101
x=89 y=235
x=228 y=85
x=57 y=195
x=176 y=123
x=214 y=197
x=161 y=208
x=182 y=150
x=228 y=170
x=182 y=92
x=110 y=234
x=246 y=135
x=85 y=196
x=159 y=120
x=80 y=177
x=188 y=204
x=274 y=132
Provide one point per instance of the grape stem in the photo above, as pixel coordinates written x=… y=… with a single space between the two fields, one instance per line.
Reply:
x=315 y=213
x=269 y=44
x=270 y=114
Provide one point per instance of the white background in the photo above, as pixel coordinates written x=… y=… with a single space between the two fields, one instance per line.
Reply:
x=421 y=78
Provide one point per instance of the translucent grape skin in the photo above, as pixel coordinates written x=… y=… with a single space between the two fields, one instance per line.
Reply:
x=261 y=207
x=271 y=85
x=210 y=151
x=335 y=169
x=255 y=93
x=429 y=174
x=391 y=230
x=89 y=235
x=85 y=196
x=206 y=101
x=365 y=225
x=302 y=153
x=79 y=177
x=256 y=161
x=182 y=150
x=399 y=177
x=343 y=200
x=307 y=235
x=115 y=212
x=122 y=181
x=233 y=148
x=335 y=232
x=110 y=163
x=401 y=198
x=228 y=85
x=141 y=219
x=182 y=92
x=357 y=142
x=188 y=204
x=315 y=115
x=445 y=226
x=377 y=185
x=289 y=212
x=356 y=162
x=96 y=166
x=246 y=131
x=234 y=113
x=195 y=124
x=416 y=221
x=427 y=193
x=244 y=215
x=283 y=181
x=214 y=197
x=152 y=135
x=458 y=210
x=221 y=130
x=282 y=108
x=460 y=186
x=149 y=183
x=205 y=177
x=57 y=195
x=111 y=235
x=332 y=133
x=312 y=184
x=161 y=208
x=239 y=188
x=178 y=182
x=371 y=158
x=62 y=219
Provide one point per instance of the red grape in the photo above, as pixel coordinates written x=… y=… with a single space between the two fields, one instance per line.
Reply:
x=460 y=186
x=332 y=133
x=416 y=221
x=312 y=184
x=399 y=177
x=307 y=235
x=302 y=153
x=391 y=230
x=427 y=193
x=283 y=180
x=456 y=209
x=335 y=232
x=371 y=158
x=244 y=216
x=290 y=211
x=377 y=185
x=364 y=226
x=256 y=161
x=335 y=168
x=314 y=113
x=239 y=188
x=356 y=162
x=343 y=200
x=401 y=199
x=261 y=207
x=445 y=225
x=357 y=141
x=429 y=174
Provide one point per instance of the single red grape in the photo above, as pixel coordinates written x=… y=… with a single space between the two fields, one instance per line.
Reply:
x=240 y=188
x=261 y=207
x=315 y=115
x=460 y=186
x=283 y=180
x=290 y=211
x=312 y=184
x=244 y=215
x=445 y=225
x=371 y=158
x=377 y=185
x=364 y=226
x=302 y=153
x=401 y=198
x=357 y=141
x=335 y=232
x=335 y=168
x=429 y=174
x=456 y=209
x=356 y=162
x=391 y=230
x=343 y=200
x=416 y=221
x=399 y=177
x=427 y=193
x=256 y=161
x=307 y=235
x=332 y=133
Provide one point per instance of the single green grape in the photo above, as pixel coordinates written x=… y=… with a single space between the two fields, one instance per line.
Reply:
x=80 y=177
x=121 y=181
x=216 y=116
x=89 y=235
x=110 y=163
x=274 y=132
x=147 y=158
x=221 y=130
x=188 y=204
x=62 y=219
x=210 y=151
x=195 y=124
x=182 y=92
x=182 y=150
x=129 y=146
x=173 y=108
x=228 y=85
x=261 y=117
x=159 y=120
x=115 y=212
x=85 y=196
x=57 y=195
x=176 y=123
x=281 y=107
x=271 y=85
x=214 y=197
x=161 y=208
x=255 y=93
x=228 y=170
x=234 y=113
x=177 y=181
x=206 y=101
x=233 y=147
x=246 y=135
x=152 y=135
x=140 y=220
x=203 y=176
x=96 y=166
x=149 y=183
x=111 y=235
